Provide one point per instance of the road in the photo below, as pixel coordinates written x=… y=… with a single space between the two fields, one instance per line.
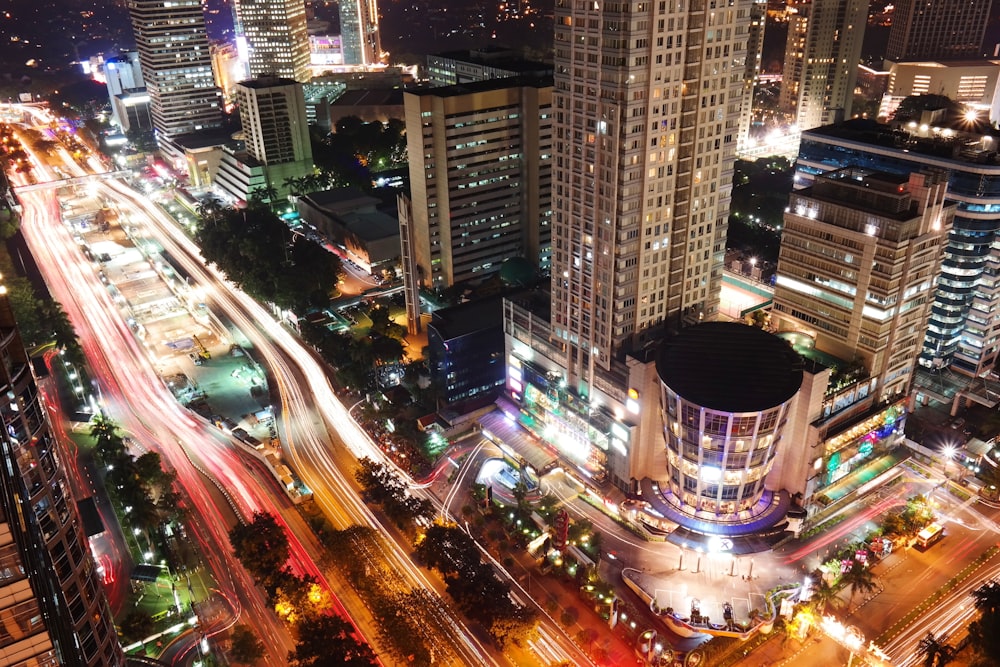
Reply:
x=321 y=440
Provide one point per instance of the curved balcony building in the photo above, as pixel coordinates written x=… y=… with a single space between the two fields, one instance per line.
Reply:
x=726 y=390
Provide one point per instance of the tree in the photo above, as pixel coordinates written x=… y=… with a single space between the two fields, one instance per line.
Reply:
x=262 y=548
x=984 y=633
x=246 y=646
x=137 y=625
x=110 y=445
x=823 y=594
x=329 y=641
x=860 y=578
x=935 y=650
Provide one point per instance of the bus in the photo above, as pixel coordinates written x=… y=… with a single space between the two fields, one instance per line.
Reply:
x=930 y=535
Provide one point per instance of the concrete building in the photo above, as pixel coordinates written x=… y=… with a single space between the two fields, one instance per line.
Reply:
x=276 y=139
x=752 y=66
x=367 y=230
x=176 y=66
x=465 y=352
x=963 y=332
x=860 y=256
x=483 y=64
x=480 y=176
x=51 y=600
x=943 y=29
x=974 y=83
x=822 y=54
x=127 y=92
x=276 y=38
x=359 y=33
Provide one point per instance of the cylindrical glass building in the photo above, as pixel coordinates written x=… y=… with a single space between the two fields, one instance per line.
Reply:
x=725 y=395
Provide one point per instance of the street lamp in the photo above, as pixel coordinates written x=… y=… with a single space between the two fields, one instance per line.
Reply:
x=948 y=451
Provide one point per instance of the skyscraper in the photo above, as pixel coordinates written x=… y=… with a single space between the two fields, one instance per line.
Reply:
x=53 y=609
x=822 y=53
x=176 y=65
x=480 y=177
x=277 y=41
x=945 y=29
x=359 y=36
x=647 y=108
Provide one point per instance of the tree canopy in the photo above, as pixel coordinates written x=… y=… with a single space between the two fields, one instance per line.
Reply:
x=262 y=547
x=329 y=641
x=257 y=251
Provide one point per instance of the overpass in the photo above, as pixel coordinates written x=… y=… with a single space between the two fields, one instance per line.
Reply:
x=66 y=182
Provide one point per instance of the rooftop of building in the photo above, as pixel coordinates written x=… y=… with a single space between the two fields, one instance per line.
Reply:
x=262 y=82
x=341 y=200
x=952 y=63
x=473 y=87
x=729 y=366
x=947 y=140
x=496 y=56
x=880 y=193
x=537 y=301
x=372 y=97
x=468 y=318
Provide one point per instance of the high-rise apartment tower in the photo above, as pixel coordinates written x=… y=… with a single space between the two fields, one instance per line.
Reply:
x=822 y=53
x=176 y=65
x=53 y=609
x=647 y=104
x=277 y=41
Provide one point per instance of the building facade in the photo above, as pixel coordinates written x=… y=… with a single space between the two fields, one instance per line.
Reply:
x=857 y=274
x=484 y=64
x=127 y=92
x=943 y=29
x=647 y=103
x=822 y=53
x=963 y=332
x=465 y=352
x=53 y=608
x=974 y=83
x=359 y=33
x=276 y=139
x=276 y=38
x=727 y=391
x=176 y=65
x=480 y=176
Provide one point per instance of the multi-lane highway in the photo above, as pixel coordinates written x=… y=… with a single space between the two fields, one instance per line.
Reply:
x=321 y=440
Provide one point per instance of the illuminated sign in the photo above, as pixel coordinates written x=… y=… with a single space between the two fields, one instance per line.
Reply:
x=632 y=403
x=619 y=431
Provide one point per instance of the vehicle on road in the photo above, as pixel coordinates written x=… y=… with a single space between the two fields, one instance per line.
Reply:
x=929 y=535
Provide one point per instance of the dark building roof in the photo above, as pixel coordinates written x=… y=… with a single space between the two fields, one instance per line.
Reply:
x=729 y=366
x=372 y=97
x=467 y=318
x=473 y=87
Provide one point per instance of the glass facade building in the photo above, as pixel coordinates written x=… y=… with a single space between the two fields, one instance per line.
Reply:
x=726 y=392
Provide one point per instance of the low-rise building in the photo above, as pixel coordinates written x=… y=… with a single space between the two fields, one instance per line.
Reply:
x=366 y=230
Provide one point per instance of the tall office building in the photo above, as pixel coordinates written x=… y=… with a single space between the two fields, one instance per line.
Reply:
x=276 y=38
x=359 y=34
x=963 y=332
x=942 y=29
x=176 y=65
x=53 y=609
x=647 y=102
x=822 y=53
x=276 y=135
x=480 y=177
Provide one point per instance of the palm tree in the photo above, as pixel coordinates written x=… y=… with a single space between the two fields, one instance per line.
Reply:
x=110 y=445
x=935 y=650
x=209 y=208
x=824 y=594
x=861 y=579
